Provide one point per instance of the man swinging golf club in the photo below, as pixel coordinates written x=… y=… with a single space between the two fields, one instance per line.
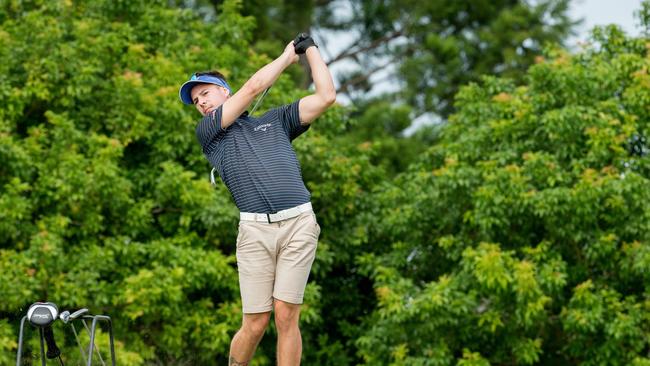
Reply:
x=278 y=232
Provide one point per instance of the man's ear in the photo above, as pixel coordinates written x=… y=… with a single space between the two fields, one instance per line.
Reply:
x=226 y=91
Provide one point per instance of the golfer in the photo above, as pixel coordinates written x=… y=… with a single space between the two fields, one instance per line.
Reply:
x=278 y=232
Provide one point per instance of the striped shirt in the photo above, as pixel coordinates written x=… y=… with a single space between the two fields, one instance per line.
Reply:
x=255 y=159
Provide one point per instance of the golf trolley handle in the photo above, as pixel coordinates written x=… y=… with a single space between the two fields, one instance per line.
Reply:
x=95 y=318
x=43 y=337
x=44 y=323
x=66 y=316
x=20 y=340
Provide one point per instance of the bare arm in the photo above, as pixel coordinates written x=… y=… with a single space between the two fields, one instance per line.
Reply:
x=314 y=105
x=234 y=106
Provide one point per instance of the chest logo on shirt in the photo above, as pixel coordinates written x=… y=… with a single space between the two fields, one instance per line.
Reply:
x=262 y=127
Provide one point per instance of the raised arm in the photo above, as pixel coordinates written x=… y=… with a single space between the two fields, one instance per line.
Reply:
x=314 y=105
x=234 y=106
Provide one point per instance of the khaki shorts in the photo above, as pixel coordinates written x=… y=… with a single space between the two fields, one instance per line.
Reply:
x=274 y=260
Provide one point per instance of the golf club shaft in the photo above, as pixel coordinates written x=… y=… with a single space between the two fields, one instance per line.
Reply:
x=259 y=100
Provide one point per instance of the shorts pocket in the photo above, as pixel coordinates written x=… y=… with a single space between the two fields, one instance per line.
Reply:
x=240 y=235
x=316 y=226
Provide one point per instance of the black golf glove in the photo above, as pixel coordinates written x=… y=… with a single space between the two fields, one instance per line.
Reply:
x=302 y=42
x=300 y=37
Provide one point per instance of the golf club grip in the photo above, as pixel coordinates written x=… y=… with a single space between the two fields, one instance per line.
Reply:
x=300 y=37
x=52 y=350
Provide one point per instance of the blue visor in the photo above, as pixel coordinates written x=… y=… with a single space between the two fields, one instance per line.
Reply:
x=186 y=89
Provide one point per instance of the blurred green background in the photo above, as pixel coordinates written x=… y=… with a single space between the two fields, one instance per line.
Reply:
x=514 y=230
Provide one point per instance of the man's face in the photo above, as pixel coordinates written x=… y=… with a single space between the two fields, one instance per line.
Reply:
x=208 y=97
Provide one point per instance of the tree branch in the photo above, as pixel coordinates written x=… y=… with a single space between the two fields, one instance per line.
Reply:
x=363 y=77
x=376 y=43
x=158 y=210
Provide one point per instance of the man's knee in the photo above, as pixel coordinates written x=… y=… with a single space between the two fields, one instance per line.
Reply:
x=286 y=315
x=256 y=324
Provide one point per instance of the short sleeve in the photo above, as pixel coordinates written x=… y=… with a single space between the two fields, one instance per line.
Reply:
x=289 y=116
x=209 y=129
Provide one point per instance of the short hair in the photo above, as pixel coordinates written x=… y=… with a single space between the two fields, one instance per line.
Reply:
x=214 y=73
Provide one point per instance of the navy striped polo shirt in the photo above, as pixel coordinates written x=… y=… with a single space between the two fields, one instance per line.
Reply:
x=255 y=159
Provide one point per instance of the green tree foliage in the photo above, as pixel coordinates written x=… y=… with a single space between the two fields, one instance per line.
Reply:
x=519 y=237
x=277 y=21
x=523 y=236
x=426 y=50
x=434 y=47
x=106 y=201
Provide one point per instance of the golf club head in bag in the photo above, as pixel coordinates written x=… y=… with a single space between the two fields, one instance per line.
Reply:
x=42 y=314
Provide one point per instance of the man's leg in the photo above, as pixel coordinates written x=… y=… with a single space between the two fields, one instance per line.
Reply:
x=289 y=339
x=300 y=238
x=255 y=265
x=249 y=335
